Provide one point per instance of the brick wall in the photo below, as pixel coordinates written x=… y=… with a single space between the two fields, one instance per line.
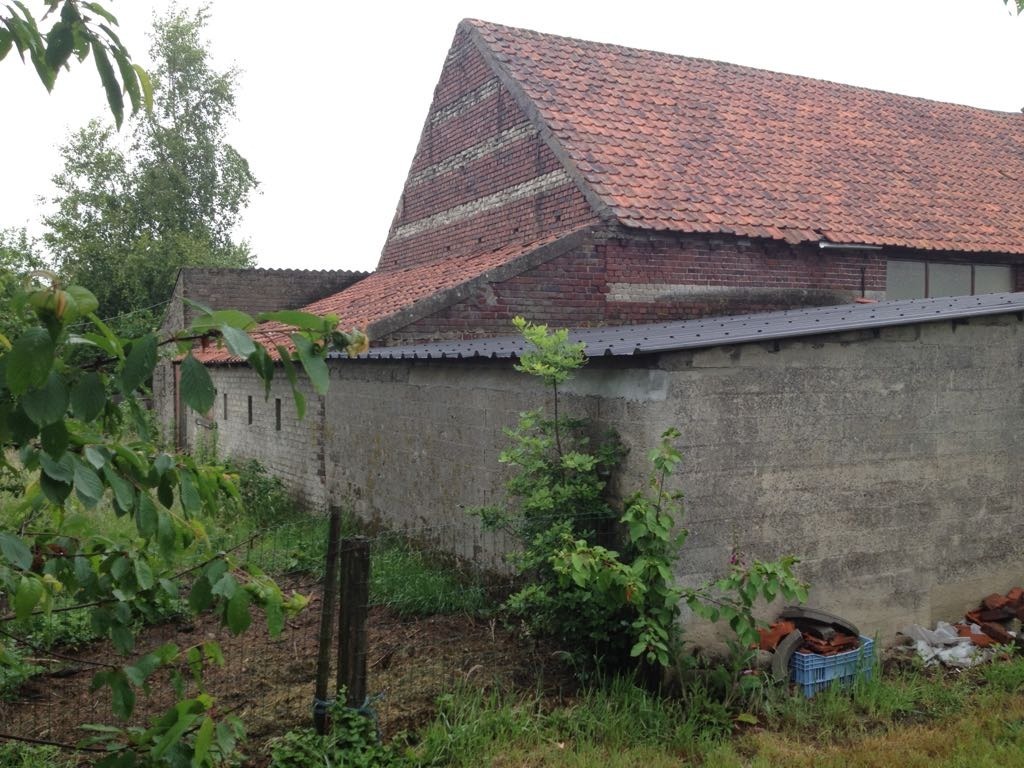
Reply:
x=624 y=277
x=255 y=290
x=482 y=177
x=889 y=462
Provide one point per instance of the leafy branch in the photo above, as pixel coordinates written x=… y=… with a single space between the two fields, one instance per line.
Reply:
x=80 y=29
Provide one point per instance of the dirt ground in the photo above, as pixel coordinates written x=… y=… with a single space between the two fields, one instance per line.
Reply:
x=269 y=682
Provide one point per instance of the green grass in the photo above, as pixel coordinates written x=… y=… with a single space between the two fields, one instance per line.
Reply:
x=403 y=576
x=413 y=583
x=14 y=754
x=601 y=726
x=909 y=718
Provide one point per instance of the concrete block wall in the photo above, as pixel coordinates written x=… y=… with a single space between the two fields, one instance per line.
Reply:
x=293 y=452
x=891 y=463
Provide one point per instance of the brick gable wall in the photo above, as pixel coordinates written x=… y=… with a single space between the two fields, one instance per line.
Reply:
x=482 y=177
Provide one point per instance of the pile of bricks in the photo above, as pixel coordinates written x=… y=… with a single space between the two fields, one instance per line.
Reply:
x=817 y=638
x=998 y=617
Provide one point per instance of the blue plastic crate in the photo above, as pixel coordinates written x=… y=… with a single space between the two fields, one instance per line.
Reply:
x=814 y=672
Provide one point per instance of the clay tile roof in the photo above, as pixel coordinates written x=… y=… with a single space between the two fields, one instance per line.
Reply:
x=674 y=143
x=386 y=295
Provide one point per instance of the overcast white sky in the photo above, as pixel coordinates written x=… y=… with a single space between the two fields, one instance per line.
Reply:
x=333 y=94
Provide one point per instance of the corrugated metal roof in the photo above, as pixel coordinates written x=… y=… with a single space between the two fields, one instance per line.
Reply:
x=718 y=331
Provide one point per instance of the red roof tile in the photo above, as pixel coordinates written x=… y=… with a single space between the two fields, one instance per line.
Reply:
x=385 y=294
x=675 y=143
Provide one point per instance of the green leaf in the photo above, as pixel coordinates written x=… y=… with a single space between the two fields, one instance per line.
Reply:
x=162 y=463
x=174 y=733
x=188 y=494
x=85 y=301
x=27 y=595
x=88 y=485
x=139 y=363
x=275 y=616
x=128 y=77
x=55 y=491
x=97 y=455
x=226 y=586
x=237 y=615
x=165 y=535
x=301 y=320
x=5 y=43
x=109 y=80
x=105 y=339
x=196 y=386
x=47 y=404
x=143 y=573
x=293 y=379
x=101 y=11
x=238 y=341
x=59 y=44
x=123 y=638
x=124 y=492
x=261 y=362
x=62 y=469
x=201 y=596
x=54 y=438
x=15 y=551
x=211 y=319
x=315 y=366
x=165 y=492
x=201 y=746
x=29 y=361
x=146 y=518
x=147 y=87
x=122 y=695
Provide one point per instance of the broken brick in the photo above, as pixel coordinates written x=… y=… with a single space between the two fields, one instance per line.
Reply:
x=997 y=632
x=1015 y=595
x=980 y=640
x=995 y=601
x=772 y=636
x=995 y=614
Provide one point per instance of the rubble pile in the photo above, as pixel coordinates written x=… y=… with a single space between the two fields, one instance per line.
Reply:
x=996 y=620
x=820 y=632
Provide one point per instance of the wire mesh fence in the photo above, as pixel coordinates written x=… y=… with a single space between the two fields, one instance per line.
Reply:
x=425 y=614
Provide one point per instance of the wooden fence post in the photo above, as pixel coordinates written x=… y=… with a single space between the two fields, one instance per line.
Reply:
x=323 y=657
x=352 y=616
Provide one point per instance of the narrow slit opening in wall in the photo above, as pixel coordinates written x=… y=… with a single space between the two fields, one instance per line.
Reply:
x=225 y=396
x=250 y=409
x=277 y=413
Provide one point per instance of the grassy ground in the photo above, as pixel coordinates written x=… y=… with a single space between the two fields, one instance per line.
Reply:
x=908 y=718
x=904 y=717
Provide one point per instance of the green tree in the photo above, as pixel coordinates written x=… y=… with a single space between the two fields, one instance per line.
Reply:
x=18 y=256
x=124 y=220
x=79 y=28
x=76 y=436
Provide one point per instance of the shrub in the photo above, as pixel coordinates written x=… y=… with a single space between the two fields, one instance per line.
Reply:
x=608 y=607
x=351 y=741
